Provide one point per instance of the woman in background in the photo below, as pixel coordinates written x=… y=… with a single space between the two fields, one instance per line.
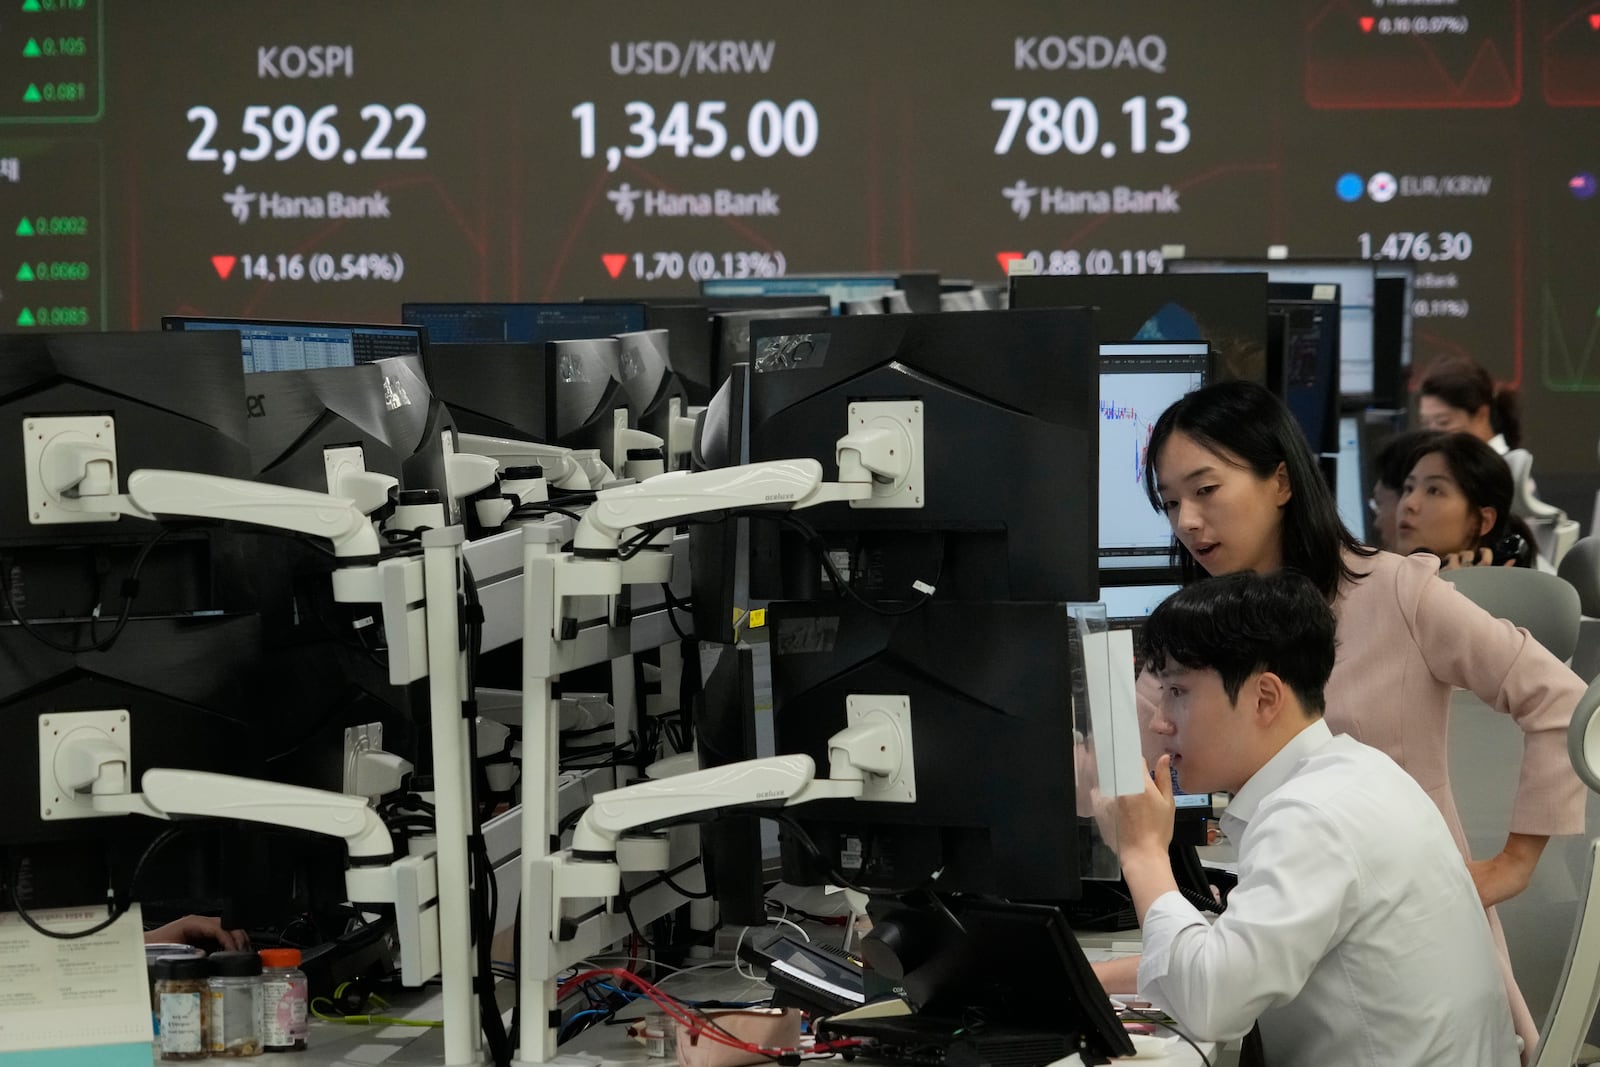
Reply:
x=1231 y=471
x=1390 y=467
x=1456 y=503
x=1458 y=396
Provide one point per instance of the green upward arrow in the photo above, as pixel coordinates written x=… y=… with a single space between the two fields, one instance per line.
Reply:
x=31 y=96
x=26 y=318
x=24 y=228
x=30 y=5
x=24 y=273
x=31 y=49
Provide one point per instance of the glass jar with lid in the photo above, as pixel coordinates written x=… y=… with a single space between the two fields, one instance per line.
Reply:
x=182 y=1005
x=234 y=992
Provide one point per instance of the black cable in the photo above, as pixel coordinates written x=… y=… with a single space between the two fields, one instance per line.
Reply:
x=130 y=588
x=529 y=511
x=674 y=604
x=840 y=585
x=1159 y=1021
x=789 y=822
x=666 y=880
x=116 y=909
x=485 y=891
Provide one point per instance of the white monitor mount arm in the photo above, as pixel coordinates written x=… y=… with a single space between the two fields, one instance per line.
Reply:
x=72 y=477
x=873 y=462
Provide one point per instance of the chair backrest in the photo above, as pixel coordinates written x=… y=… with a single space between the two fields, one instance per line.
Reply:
x=1523 y=501
x=1578 y=990
x=1580 y=568
x=1540 y=603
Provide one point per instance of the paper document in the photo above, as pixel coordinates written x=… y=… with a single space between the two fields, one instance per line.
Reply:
x=1113 y=711
x=72 y=994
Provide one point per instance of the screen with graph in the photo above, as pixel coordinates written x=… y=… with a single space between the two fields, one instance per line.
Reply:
x=1137 y=383
x=335 y=160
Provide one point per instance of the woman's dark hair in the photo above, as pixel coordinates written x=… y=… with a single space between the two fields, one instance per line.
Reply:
x=1244 y=419
x=1238 y=624
x=1396 y=457
x=1463 y=384
x=1484 y=479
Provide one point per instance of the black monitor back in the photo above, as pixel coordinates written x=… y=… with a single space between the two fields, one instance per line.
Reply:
x=1308 y=358
x=731 y=329
x=1010 y=403
x=494 y=388
x=725 y=732
x=990 y=698
x=176 y=403
x=1228 y=311
x=1391 y=338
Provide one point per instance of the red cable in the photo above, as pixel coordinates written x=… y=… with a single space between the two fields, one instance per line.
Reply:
x=681 y=1015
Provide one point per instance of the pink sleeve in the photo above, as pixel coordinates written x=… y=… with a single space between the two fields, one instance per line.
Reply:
x=1466 y=647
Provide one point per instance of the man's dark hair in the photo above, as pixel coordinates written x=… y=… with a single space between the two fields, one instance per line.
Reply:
x=1239 y=624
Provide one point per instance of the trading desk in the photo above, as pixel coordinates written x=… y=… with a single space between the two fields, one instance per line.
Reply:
x=337 y=1045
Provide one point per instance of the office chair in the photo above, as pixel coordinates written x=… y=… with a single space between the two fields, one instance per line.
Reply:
x=1578 y=988
x=1555 y=532
x=1540 y=603
x=1580 y=568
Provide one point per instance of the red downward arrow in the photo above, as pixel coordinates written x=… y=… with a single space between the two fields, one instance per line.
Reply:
x=1367 y=22
x=614 y=262
x=1006 y=259
x=1594 y=22
x=224 y=265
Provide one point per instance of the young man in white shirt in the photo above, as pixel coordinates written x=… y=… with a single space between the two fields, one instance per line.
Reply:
x=1354 y=935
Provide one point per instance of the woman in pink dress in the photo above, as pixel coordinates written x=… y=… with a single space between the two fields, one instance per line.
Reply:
x=1231 y=471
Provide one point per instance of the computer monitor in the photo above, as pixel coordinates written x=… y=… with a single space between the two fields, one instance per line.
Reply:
x=920 y=288
x=719 y=552
x=278 y=345
x=468 y=322
x=493 y=388
x=731 y=332
x=692 y=335
x=586 y=395
x=1304 y=352
x=987 y=677
x=297 y=417
x=1138 y=381
x=725 y=732
x=177 y=404
x=1228 y=313
x=1355 y=279
x=188 y=667
x=1130 y=602
x=1016 y=967
x=1393 y=291
x=692 y=344
x=1350 y=490
x=1008 y=402
x=655 y=394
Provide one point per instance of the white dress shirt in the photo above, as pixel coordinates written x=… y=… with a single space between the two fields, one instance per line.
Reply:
x=1354 y=935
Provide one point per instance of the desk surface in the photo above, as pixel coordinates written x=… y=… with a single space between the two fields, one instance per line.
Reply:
x=335 y=1045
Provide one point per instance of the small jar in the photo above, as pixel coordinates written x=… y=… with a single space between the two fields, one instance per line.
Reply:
x=182 y=1006
x=235 y=995
x=284 y=999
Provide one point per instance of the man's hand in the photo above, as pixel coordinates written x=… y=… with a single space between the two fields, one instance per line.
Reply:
x=1144 y=820
x=1145 y=830
x=1502 y=877
x=198 y=930
x=1120 y=975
